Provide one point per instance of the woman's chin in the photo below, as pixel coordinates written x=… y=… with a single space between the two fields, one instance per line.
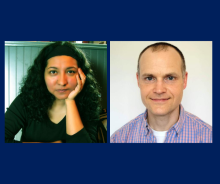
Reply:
x=61 y=97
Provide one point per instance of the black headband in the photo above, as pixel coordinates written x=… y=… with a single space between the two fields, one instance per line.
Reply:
x=61 y=50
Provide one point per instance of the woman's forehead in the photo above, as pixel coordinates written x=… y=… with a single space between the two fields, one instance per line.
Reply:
x=62 y=61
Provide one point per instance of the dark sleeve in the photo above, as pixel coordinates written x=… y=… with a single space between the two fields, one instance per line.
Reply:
x=15 y=118
x=85 y=135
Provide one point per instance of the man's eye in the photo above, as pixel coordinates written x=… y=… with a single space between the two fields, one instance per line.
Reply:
x=149 y=78
x=170 y=78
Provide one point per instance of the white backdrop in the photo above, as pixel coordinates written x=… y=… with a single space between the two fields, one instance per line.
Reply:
x=125 y=100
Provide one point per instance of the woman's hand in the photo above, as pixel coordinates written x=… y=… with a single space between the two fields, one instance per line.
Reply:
x=45 y=142
x=80 y=84
x=73 y=121
x=57 y=141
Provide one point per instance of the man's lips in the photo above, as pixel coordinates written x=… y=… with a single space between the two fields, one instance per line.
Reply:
x=159 y=99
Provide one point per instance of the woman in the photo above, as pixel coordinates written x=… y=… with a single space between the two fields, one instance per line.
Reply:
x=59 y=99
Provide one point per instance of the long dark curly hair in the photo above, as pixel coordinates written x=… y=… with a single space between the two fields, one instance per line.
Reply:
x=37 y=99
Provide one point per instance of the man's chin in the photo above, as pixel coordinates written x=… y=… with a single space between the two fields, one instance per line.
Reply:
x=158 y=111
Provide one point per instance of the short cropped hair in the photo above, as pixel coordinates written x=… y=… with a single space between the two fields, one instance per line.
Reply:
x=163 y=46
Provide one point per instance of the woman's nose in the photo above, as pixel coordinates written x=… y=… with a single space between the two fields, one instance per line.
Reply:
x=62 y=80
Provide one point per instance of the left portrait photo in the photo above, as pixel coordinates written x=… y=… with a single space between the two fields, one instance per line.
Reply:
x=55 y=92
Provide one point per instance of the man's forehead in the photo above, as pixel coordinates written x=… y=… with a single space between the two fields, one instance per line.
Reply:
x=163 y=60
x=160 y=72
x=167 y=52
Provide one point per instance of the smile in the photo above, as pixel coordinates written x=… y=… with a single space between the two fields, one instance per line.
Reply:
x=160 y=100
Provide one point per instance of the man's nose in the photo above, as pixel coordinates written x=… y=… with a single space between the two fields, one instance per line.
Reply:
x=159 y=87
x=62 y=79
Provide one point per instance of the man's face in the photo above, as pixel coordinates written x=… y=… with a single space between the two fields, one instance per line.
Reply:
x=161 y=81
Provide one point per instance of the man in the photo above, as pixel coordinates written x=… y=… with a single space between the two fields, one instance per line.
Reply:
x=162 y=77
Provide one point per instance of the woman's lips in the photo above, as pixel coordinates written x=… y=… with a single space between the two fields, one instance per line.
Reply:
x=62 y=90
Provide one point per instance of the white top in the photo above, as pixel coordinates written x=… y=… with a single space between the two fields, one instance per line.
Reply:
x=160 y=135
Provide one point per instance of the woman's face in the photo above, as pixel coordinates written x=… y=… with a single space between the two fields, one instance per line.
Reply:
x=60 y=76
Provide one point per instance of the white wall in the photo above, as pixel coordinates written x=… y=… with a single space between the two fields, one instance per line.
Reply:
x=17 y=61
x=125 y=100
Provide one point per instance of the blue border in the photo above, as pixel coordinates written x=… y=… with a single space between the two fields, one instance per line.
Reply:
x=110 y=163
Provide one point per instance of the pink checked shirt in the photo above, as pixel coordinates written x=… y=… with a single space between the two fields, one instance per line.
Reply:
x=188 y=129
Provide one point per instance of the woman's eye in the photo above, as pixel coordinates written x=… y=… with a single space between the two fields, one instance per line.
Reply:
x=71 y=72
x=53 y=72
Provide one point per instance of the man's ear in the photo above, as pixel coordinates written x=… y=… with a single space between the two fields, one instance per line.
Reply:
x=137 y=76
x=185 y=80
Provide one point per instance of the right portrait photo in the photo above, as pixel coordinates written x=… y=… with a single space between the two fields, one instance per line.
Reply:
x=161 y=92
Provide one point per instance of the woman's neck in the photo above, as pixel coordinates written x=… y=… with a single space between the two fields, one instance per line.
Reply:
x=58 y=105
x=57 y=112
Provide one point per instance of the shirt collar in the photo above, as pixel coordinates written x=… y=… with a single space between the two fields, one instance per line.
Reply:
x=177 y=126
x=145 y=124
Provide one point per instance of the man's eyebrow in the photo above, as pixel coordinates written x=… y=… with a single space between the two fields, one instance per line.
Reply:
x=53 y=67
x=147 y=74
x=152 y=75
x=172 y=73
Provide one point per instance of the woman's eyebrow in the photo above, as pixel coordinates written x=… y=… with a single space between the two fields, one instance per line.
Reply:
x=53 y=67
x=71 y=67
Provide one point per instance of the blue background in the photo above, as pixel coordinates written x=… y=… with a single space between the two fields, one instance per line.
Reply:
x=112 y=21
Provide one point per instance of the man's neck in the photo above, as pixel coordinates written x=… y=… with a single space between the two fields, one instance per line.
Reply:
x=163 y=123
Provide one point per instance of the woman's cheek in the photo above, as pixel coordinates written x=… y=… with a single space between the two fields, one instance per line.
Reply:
x=51 y=83
x=72 y=82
